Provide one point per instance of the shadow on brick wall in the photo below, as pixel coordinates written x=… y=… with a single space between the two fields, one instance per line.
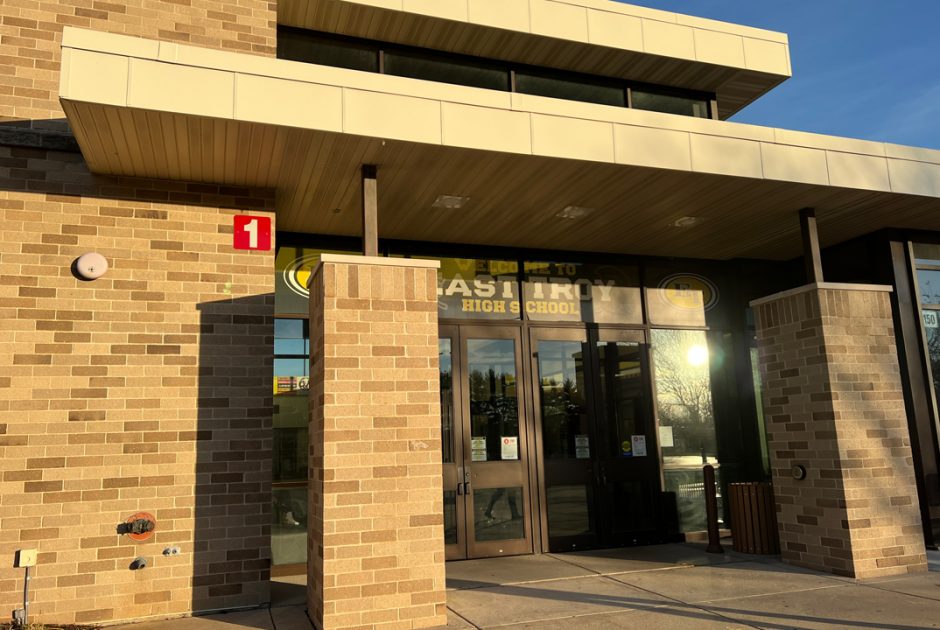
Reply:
x=231 y=541
x=120 y=448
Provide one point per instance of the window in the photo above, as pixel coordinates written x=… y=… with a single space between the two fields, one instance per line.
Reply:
x=669 y=103
x=298 y=45
x=576 y=291
x=572 y=89
x=442 y=69
x=289 y=465
x=687 y=424
x=927 y=261
x=430 y=65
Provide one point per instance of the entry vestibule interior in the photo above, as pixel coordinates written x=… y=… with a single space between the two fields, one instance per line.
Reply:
x=569 y=395
x=551 y=443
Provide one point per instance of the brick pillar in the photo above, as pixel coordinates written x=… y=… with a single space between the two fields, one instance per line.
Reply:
x=834 y=405
x=376 y=513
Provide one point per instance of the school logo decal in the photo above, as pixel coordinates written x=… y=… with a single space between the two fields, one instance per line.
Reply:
x=297 y=274
x=689 y=291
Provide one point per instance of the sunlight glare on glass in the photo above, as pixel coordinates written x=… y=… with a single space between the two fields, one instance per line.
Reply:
x=698 y=355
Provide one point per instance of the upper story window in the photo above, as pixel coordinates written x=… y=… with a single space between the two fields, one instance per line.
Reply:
x=572 y=88
x=432 y=65
x=307 y=46
x=670 y=103
x=445 y=69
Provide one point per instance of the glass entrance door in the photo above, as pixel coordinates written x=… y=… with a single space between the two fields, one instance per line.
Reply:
x=486 y=494
x=633 y=509
x=599 y=455
x=568 y=434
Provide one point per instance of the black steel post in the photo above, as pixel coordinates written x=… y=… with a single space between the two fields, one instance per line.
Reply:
x=711 y=510
x=26 y=600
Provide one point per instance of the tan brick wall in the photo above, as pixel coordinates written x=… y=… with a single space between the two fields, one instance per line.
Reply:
x=834 y=404
x=146 y=390
x=31 y=33
x=376 y=513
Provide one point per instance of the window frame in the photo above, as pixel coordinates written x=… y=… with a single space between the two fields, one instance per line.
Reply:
x=510 y=68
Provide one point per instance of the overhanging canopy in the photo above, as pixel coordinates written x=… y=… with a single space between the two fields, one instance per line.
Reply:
x=156 y=109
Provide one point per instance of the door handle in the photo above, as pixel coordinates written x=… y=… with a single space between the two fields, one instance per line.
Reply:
x=466 y=482
x=459 y=488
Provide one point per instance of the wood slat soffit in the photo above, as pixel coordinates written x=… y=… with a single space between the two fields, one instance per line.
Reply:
x=307 y=130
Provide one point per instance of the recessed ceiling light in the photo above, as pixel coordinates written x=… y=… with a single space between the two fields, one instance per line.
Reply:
x=450 y=202
x=574 y=212
x=684 y=222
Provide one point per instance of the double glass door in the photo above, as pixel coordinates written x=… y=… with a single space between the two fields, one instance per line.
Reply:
x=485 y=446
x=557 y=449
x=600 y=481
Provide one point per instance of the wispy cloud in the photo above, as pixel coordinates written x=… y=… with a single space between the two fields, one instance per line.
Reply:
x=913 y=121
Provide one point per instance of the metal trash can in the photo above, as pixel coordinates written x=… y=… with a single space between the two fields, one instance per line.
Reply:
x=753 y=518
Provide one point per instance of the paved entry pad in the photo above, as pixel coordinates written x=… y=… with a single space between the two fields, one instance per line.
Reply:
x=679 y=586
x=667 y=587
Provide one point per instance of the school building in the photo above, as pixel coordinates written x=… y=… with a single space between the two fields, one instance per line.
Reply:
x=354 y=288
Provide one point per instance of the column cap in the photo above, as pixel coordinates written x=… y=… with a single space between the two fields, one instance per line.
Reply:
x=817 y=286
x=376 y=261
x=379 y=261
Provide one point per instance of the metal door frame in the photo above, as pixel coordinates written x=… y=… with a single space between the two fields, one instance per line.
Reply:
x=521 y=477
x=549 y=332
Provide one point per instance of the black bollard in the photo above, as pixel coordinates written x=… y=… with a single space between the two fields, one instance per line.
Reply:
x=711 y=510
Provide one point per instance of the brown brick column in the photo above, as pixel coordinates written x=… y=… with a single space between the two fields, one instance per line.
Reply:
x=834 y=405
x=376 y=514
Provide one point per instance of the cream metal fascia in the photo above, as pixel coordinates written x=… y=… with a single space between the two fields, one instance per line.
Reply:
x=116 y=70
x=603 y=37
x=604 y=23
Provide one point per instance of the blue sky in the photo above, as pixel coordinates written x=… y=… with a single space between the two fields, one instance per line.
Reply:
x=861 y=68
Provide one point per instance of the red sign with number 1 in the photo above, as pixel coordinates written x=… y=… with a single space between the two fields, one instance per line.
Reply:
x=252 y=232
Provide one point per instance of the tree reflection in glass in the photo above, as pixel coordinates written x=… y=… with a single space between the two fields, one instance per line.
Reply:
x=684 y=395
x=561 y=381
x=933 y=347
x=447 y=400
x=686 y=420
x=494 y=407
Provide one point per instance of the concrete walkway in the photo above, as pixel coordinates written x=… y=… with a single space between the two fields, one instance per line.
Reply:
x=668 y=586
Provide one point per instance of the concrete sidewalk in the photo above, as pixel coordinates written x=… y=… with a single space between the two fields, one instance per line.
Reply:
x=667 y=586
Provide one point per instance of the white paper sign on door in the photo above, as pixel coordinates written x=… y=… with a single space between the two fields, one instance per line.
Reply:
x=582 y=447
x=639 y=445
x=478 y=449
x=510 y=448
x=665 y=437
